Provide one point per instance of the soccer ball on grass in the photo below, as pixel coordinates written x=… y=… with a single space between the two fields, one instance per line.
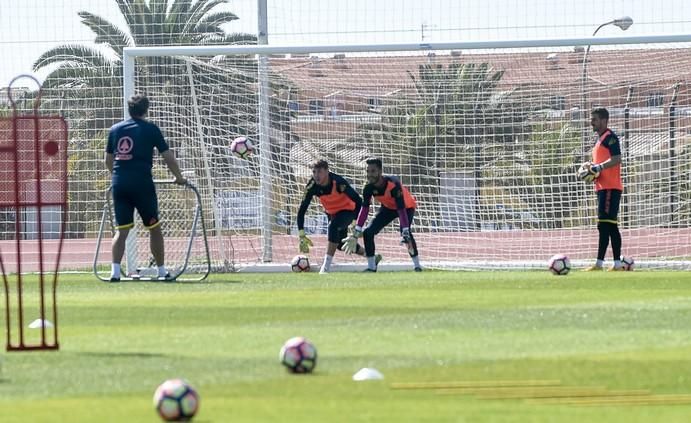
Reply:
x=300 y=263
x=175 y=400
x=559 y=264
x=298 y=355
x=242 y=147
x=627 y=263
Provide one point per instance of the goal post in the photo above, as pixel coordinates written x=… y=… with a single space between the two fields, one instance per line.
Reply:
x=487 y=135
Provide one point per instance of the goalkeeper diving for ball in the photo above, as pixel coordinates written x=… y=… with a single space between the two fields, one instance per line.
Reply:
x=396 y=201
x=341 y=203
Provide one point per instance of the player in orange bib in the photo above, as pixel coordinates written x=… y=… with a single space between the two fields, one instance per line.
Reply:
x=341 y=204
x=396 y=202
x=609 y=187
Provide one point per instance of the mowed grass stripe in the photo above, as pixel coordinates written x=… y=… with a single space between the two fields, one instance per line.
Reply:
x=628 y=332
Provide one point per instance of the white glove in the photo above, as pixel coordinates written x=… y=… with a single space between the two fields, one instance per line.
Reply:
x=588 y=173
x=350 y=243
x=405 y=235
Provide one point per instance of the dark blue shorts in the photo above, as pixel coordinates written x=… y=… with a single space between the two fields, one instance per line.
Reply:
x=608 y=205
x=142 y=197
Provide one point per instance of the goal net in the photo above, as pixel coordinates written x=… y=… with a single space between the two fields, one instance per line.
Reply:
x=187 y=254
x=487 y=136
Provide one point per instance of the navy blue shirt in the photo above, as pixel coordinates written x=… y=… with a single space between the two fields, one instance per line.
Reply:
x=132 y=144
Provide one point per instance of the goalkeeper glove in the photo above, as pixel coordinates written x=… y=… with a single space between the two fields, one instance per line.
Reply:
x=350 y=243
x=597 y=168
x=305 y=243
x=405 y=236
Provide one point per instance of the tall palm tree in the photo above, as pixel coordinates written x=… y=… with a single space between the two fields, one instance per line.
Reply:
x=84 y=73
x=455 y=118
x=85 y=81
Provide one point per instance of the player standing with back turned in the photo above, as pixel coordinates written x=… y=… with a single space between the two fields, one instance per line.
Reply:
x=129 y=157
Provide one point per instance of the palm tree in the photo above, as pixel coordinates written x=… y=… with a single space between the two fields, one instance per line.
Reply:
x=445 y=124
x=84 y=73
x=85 y=82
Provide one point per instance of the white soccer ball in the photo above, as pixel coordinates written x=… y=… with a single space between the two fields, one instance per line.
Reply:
x=627 y=263
x=175 y=400
x=300 y=263
x=559 y=264
x=585 y=172
x=298 y=355
x=242 y=147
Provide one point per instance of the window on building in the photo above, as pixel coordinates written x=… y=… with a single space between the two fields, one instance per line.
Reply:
x=557 y=102
x=374 y=103
x=655 y=100
x=316 y=107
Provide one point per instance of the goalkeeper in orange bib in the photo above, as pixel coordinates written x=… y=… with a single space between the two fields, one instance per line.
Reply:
x=341 y=204
x=609 y=187
x=396 y=202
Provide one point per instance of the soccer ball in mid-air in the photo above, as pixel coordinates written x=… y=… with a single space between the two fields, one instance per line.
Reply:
x=242 y=147
x=585 y=172
x=175 y=400
x=559 y=264
x=627 y=263
x=298 y=355
x=300 y=263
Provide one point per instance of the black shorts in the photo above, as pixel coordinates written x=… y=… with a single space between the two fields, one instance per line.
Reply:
x=338 y=225
x=128 y=197
x=608 y=205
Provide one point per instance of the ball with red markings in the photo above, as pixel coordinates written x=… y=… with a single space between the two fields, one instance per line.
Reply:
x=298 y=355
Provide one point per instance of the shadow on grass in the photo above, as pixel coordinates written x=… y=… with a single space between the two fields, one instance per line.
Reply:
x=121 y=354
x=175 y=282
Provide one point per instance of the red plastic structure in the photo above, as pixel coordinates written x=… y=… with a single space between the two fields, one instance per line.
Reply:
x=33 y=183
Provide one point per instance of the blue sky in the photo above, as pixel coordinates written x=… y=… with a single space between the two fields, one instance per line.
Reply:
x=29 y=27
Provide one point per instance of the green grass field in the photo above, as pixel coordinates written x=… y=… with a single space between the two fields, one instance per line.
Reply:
x=623 y=331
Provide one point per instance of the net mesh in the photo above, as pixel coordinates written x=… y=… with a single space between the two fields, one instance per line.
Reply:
x=488 y=141
x=185 y=244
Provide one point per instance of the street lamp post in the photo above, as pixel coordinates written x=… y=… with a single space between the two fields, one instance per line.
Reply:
x=624 y=23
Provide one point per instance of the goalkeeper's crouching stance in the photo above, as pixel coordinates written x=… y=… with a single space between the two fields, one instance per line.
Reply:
x=341 y=204
x=396 y=202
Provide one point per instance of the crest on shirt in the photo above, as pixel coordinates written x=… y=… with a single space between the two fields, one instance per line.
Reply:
x=124 y=148
x=125 y=145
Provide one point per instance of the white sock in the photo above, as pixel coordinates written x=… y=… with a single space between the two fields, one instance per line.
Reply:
x=162 y=272
x=327 y=263
x=371 y=263
x=416 y=261
x=599 y=263
x=115 y=270
x=617 y=263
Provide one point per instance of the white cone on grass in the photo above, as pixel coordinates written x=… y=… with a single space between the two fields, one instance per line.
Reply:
x=367 y=373
x=38 y=323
